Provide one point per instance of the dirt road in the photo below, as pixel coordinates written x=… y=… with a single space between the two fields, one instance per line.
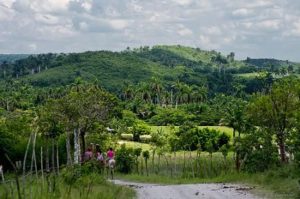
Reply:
x=189 y=191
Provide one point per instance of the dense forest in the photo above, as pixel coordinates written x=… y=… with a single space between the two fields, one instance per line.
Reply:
x=161 y=96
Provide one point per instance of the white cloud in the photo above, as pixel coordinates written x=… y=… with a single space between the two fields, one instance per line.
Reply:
x=32 y=47
x=75 y=25
x=213 y=30
x=87 y=5
x=205 y=42
x=269 y=24
x=49 y=5
x=183 y=2
x=294 y=31
x=6 y=13
x=184 y=32
x=242 y=12
x=118 y=24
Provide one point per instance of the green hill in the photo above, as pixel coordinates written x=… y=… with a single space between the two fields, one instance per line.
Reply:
x=112 y=70
x=272 y=64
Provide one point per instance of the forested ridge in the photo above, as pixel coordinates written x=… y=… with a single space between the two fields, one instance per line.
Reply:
x=221 y=116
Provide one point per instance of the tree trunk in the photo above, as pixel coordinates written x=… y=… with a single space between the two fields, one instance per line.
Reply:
x=57 y=158
x=42 y=166
x=53 y=155
x=47 y=157
x=76 y=146
x=7 y=105
x=191 y=163
x=24 y=164
x=233 y=137
x=175 y=166
x=153 y=155
x=68 y=146
x=237 y=161
x=34 y=156
x=82 y=137
x=25 y=157
x=282 y=149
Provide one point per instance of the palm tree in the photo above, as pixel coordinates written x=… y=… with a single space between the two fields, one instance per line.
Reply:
x=156 y=88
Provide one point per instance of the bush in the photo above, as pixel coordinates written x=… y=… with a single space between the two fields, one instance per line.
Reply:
x=258 y=151
x=223 y=139
x=138 y=130
x=70 y=175
x=190 y=137
x=128 y=117
x=170 y=116
x=125 y=159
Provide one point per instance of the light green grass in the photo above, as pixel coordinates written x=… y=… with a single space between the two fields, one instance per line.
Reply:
x=168 y=129
x=131 y=144
x=225 y=129
x=248 y=75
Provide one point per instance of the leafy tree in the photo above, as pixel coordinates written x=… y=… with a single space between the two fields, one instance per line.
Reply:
x=276 y=111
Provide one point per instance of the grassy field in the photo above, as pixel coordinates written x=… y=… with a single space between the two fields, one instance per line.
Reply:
x=168 y=129
x=248 y=75
x=131 y=144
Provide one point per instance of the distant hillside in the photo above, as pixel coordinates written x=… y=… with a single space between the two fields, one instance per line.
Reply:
x=271 y=63
x=113 y=70
x=11 y=57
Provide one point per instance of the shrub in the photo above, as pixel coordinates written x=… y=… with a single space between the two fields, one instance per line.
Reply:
x=129 y=118
x=70 y=175
x=138 y=130
x=222 y=139
x=190 y=137
x=258 y=151
x=167 y=116
x=124 y=159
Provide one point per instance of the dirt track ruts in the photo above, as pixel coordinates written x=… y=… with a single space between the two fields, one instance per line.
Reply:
x=189 y=191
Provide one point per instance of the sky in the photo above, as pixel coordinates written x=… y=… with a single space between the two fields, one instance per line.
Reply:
x=250 y=28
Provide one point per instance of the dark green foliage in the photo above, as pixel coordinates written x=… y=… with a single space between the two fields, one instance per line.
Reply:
x=223 y=139
x=14 y=129
x=146 y=155
x=71 y=175
x=138 y=130
x=137 y=152
x=169 y=63
x=170 y=116
x=190 y=137
x=168 y=58
x=125 y=159
x=129 y=118
x=257 y=151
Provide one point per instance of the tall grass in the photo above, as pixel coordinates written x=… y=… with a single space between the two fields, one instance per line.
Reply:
x=91 y=186
x=186 y=164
